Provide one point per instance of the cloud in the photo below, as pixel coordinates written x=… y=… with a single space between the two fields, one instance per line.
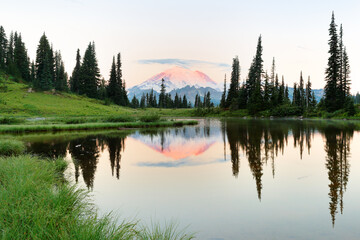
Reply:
x=186 y=63
x=179 y=163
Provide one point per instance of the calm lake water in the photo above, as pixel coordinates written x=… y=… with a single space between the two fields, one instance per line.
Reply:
x=226 y=179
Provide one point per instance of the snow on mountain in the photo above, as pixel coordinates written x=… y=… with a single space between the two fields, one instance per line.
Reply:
x=177 y=78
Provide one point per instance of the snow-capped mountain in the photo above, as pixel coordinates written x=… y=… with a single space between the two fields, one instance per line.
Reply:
x=176 y=78
x=181 y=81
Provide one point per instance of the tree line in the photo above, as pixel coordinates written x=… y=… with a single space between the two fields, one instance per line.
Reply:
x=163 y=100
x=48 y=70
x=260 y=92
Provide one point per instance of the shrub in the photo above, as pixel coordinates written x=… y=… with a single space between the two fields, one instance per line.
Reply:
x=11 y=147
x=286 y=110
x=150 y=118
x=10 y=120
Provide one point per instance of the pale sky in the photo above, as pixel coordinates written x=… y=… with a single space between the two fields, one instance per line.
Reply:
x=201 y=35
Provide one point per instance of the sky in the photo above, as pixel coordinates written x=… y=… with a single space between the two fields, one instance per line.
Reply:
x=203 y=35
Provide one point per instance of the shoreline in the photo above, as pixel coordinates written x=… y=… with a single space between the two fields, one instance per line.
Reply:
x=88 y=126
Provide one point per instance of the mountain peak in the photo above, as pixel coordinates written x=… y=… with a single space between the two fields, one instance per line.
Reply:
x=176 y=78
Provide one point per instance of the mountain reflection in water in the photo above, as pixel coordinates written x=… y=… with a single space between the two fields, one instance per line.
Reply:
x=257 y=142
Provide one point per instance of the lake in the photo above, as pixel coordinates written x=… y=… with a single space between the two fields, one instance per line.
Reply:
x=224 y=179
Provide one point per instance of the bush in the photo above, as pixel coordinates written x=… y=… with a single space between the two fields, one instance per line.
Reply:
x=11 y=147
x=286 y=110
x=150 y=118
x=10 y=120
x=107 y=102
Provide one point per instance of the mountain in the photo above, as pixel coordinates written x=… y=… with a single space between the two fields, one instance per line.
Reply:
x=181 y=81
x=187 y=82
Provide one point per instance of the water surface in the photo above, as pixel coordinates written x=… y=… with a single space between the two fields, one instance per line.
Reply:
x=227 y=179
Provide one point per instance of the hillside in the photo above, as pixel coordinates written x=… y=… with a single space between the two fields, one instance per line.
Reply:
x=15 y=100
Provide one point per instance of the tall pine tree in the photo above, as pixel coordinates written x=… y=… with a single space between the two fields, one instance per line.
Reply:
x=75 y=80
x=3 y=46
x=44 y=66
x=90 y=73
x=254 y=84
x=333 y=69
x=223 y=96
x=234 y=83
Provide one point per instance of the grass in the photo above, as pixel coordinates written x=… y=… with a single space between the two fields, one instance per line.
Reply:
x=15 y=100
x=11 y=147
x=36 y=204
x=88 y=126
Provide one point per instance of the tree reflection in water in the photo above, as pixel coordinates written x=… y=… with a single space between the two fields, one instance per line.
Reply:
x=260 y=141
x=257 y=141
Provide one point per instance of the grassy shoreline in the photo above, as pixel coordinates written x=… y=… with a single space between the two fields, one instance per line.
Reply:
x=36 y=203
x=87 y=126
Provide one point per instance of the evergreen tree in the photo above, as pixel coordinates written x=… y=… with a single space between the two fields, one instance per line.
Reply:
x=275 y=92
x=281 y=96
x=176 y=101
x=234 y=82
x=44 y=66
x=332 y=71
x=124 y=92
x=3 y=46
x=223 y=96
x=295 y=100
x=112 y=88
x=340 y=83
x=143 y=101
x=134 y=102
x=207 y=100
x=308 y=94
x=267 y=91
x=254 y=86
x=90 y=73
x=152 y=99
x=10 y=54
x=313 y=100
x=184 y=102
x=272 y=76
x=346 y=75
x=60 y=81
x=123 y=99
x=302 y=100
x=75 y=81
x=287 y=99
x=102 y=89
x=21 y=59
x=32 y=72
x=196 y=102
x=169 y=101
x=242 y=97
x=162 y=100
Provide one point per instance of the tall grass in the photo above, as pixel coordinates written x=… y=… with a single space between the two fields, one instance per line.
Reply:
x=170 y=231
x=11 y=147
x=36 y=204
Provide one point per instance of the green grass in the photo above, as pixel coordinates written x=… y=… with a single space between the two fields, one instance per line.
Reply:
x=88 y=126
x=35 y=203
x=11 y=147
x=17 y=101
